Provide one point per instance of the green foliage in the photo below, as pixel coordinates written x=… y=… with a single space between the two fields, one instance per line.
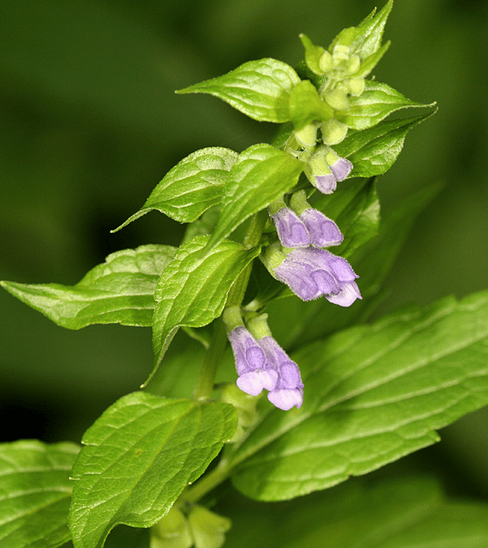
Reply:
x=379 y=393
x=193 y=289
x=118 y=291
x=194 y=185
x=374 y=150
x=372 y=393
x=138 y=457
x=261 y=174
x=376 y=103
x=35 y=492
x=260 y=89
x=401 y=512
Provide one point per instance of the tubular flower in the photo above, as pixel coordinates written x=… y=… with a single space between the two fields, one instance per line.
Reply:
x=341 y=168
x=291 y=229
x=251 y=364
x=288 y=391
x=323 y=231
x=311 y=273
x=325 y=168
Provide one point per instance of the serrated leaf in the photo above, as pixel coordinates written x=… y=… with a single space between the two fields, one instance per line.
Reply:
x=372 y=395
x=369 y=34
x=262 y=174
x=35 y=493
x=260 y=89
x=376 y=103
x=138 y=457
x=370 y=62
x=374 y=150
x=193 y=289
x=194 y=185
x=117 y=291
x=306 y=105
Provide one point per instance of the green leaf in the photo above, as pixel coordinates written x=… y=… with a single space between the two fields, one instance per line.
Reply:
x=306 y=105
x=117 y=291
x=372 y=395
x=194 y=185
x=35 y=493
x=261 y=175
x=259 y=89
x=374 y=150
x=406 y=512
x=313 y=54
x=373 y=105
x=193 y=288
x=138 y=457
x=369 y=33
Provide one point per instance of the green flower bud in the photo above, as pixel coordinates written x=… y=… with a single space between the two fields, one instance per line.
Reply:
x=353 y=64
x=356 y=86
x=172 y=531
x=325 y=62
x=340 y=54
x=208 y=529
x=333 y=132
x=337 y=99
x=307 y=136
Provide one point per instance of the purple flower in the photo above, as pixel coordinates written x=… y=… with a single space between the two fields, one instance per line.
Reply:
x=292 y=231
x=311 y=273
x=326 y=183
x=251 y=364
x=341 y=168
x=323 y=231
x=288 y=391
x=325 y=168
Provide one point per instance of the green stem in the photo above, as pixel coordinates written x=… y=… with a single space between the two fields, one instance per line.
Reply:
x=219 y=474
x=211 y=361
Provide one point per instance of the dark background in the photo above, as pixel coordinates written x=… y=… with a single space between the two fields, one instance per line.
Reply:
x=89 y=123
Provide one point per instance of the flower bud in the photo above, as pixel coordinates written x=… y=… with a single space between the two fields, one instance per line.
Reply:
x=325 y=62
x=333 y=132
x=172 y=531
x=356 y=86
x=337 y=99
x=307 y=136
x=340 y=53
x=208 y=529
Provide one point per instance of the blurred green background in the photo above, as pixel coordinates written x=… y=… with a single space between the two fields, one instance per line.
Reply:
x=89 y=123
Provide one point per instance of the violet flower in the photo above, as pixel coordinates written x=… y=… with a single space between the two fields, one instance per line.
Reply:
x=311 y=273
x=341 y=168
x=323 y=231
x=288 y=391
x=326 y=183
x=325 y=168
x=291 y=229
x=251 y=364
